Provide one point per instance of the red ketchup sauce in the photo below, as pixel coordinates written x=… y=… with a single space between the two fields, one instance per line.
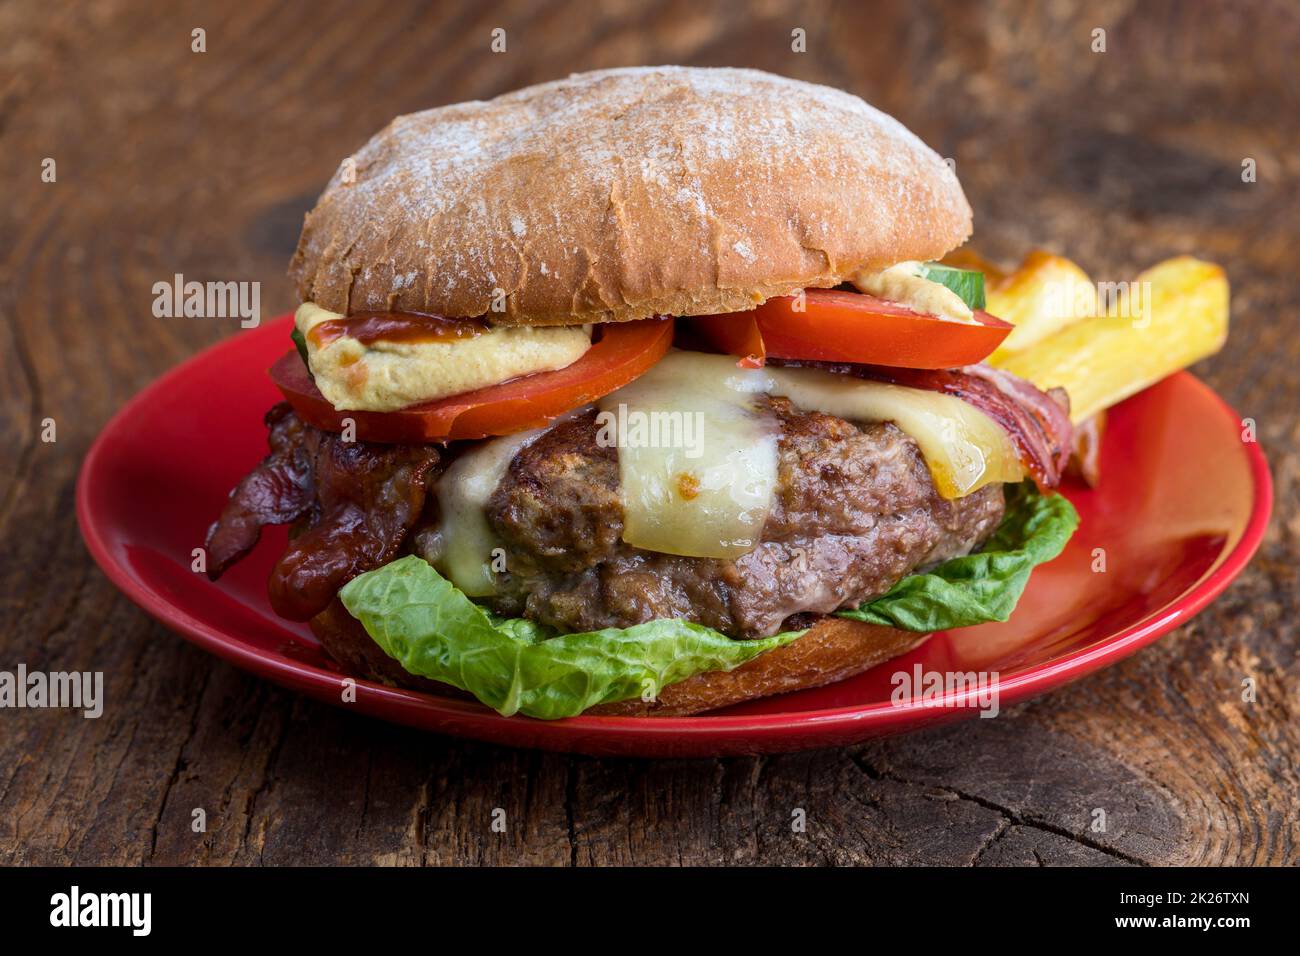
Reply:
x=370 y=327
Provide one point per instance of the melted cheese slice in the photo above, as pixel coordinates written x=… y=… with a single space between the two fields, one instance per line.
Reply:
x=697 y=457
x=963 y=448
x=463 y=491
x=701 y=481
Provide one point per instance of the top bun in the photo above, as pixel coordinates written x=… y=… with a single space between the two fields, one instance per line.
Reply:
x=622 y=194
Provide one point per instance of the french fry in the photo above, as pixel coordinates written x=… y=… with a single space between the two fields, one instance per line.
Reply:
x=1044 y=295
x=1172 y=315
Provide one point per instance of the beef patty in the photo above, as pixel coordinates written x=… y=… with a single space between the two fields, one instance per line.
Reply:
x=855 y=510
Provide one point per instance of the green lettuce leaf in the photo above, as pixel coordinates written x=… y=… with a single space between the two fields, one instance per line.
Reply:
x=984 y=586
x=517 y=666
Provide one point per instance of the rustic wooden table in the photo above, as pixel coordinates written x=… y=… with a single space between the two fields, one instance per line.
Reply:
x=202 y=163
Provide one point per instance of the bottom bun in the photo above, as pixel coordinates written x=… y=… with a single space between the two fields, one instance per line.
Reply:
x=834 y=648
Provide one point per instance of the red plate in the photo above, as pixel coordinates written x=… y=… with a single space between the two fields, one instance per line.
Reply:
x=1182 y=507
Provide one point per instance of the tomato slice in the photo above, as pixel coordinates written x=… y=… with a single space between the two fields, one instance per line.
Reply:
x=736 y=334
x=624 y=351
x=852 y=327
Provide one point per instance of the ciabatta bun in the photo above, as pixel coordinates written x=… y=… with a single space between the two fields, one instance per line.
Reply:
x=622 y=194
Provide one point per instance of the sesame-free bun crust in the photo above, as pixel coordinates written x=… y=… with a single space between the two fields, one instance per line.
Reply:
x=621 y=194
x=832 y=649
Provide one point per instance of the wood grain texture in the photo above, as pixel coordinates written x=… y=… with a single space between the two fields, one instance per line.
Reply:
x=170 y=161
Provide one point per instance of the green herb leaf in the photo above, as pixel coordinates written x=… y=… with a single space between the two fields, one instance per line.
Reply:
x=985 y=586
x=300 y=342
x=517 y=666
x=967 y=283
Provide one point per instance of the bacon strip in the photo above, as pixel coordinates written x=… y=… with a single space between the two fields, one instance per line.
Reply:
x=277 y=491
x=1085 y=457
x=357 y=500
x=368 y=498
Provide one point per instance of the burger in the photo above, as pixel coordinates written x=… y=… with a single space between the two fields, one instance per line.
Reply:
x=645 y=392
